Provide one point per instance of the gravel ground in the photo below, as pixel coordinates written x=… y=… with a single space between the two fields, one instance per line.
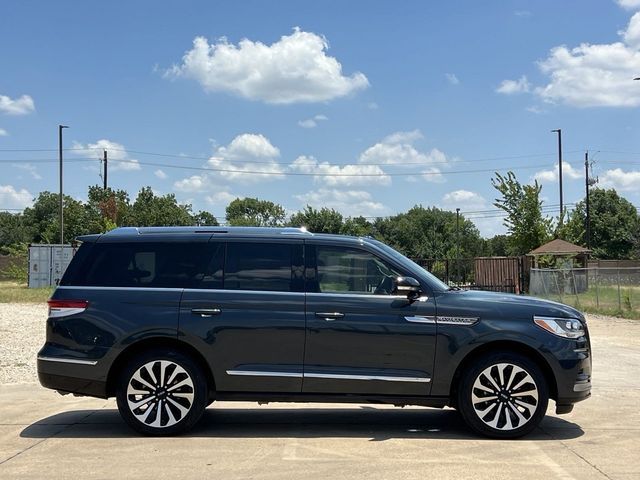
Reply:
x=22 y=332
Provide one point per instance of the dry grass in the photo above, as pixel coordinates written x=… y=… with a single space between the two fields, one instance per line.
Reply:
x=12 y=292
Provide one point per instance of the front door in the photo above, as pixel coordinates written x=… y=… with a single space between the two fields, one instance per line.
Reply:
x=361 y=338
x=248 y=315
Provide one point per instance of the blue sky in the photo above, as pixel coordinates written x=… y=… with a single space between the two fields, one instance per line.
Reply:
x=366 y=107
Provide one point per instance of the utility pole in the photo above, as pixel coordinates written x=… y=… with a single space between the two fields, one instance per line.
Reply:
x=458 y=243
x=559 y=132
x=60 y=127
x=104 y=177
x=586 y=186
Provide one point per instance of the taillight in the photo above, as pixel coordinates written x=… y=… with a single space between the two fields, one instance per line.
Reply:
x=63 y=308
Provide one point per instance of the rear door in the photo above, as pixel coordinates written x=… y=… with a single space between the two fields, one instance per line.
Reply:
x=362 y=339
x=248 y=315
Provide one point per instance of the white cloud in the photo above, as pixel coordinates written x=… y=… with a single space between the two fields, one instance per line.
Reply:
x=312 y=122
x=3 y=132
x=463 y=197
x=250 y=157
x=160 y=174
x=398 y=149
x=337 y=175
x=590 y=75
x=10 y=198
x=621 y=180
x=221 y=198
x=511 y=87
x=522 y=13
x=452 y=78
x=20 y=106
x=631 y=35
x=349 y=202
x=243 y=160
x=403 y=137
x=552 y=175
x=474 y=206
x=535 y=109
x=32 y=169
x=194 y=183
x=629 y=4
x=294 y=69
x=118 y=158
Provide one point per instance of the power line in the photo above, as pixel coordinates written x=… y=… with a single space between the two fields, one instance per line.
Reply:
x=321 y=174
x=231 y=160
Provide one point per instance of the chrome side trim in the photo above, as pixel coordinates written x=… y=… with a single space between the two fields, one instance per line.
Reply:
x=68 y=360
x=256 y=292
x=383 y=378
x=457 y=320
x=335 y=376
x=258 y=373
x=421 y=319
x=135 y=289
x=354 y=295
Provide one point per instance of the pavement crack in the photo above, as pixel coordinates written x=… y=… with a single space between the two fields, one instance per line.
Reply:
x=565 y=445
x=66 y=427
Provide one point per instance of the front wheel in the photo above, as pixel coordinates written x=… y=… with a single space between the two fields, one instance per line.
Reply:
x=161 y=392
x=503 y=395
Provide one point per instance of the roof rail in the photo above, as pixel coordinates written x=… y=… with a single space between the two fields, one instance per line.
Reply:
x=134 y=231
x=295 y=231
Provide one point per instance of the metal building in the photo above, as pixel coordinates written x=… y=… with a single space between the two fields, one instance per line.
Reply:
x=47 y=263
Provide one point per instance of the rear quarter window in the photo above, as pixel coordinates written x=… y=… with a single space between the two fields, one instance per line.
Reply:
x=158 y=265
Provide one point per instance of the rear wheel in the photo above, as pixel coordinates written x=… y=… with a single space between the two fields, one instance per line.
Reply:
x=162 y=392
x=503 y=395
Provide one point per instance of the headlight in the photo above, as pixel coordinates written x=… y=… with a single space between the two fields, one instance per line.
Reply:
x=563 y=327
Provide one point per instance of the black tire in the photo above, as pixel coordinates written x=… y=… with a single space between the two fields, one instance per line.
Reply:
x=180 y=397
x=524 y=406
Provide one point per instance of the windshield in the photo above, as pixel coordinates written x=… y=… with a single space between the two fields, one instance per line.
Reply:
x=410 y=264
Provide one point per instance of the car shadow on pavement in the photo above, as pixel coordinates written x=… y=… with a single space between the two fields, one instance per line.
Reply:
x=357 y=422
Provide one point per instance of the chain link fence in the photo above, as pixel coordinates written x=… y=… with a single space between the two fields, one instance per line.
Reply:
x=608 y=290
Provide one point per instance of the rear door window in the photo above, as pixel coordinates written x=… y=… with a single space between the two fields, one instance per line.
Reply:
x=261 y=266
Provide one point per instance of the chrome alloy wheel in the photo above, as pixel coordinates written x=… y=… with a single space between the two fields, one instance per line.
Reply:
x=160 y=393
x=504 y=396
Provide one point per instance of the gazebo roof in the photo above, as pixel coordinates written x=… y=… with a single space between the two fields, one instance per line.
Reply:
x=559 y=247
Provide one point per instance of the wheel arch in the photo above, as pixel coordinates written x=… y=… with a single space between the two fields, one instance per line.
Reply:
x=505 y=346
x=152 y=343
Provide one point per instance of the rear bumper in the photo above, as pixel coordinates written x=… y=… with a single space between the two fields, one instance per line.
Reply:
x=82 y=376
x=78 y=386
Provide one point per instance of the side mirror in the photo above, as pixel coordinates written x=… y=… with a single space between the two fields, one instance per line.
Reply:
x=408 y=286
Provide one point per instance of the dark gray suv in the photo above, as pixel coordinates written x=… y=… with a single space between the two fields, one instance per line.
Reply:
x=170 y=319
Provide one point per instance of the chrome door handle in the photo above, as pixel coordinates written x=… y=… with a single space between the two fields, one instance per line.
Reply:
x=206 y=312
x=329 y=316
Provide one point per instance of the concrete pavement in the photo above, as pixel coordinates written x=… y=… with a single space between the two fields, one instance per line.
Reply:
x=43 y=435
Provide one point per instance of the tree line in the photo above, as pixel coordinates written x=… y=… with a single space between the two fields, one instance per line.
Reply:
x=420 y=232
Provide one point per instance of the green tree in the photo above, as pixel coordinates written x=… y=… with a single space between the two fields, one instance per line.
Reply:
x=205 y=219
x=150 y=210
x=527 y=228
x=497 y=246
x=429 y=233
x=42 y=219
x=615 y=225
x=324 y=220
x=254 y=212
x=357 y=226
x=106 y=208
x=13 y=229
